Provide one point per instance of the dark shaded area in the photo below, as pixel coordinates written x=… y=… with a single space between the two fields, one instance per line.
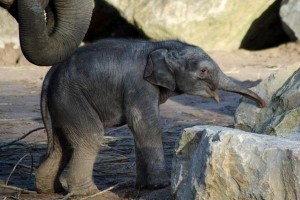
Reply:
x=266 y=31
x=107 y=22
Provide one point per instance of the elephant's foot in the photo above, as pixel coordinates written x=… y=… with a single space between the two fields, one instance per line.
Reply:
x=83 y=190
x=46 y=180
x=154 y=181
x=44 y=186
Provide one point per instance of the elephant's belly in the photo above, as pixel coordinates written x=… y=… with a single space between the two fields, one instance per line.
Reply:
x=110 y=111
x=114 y=121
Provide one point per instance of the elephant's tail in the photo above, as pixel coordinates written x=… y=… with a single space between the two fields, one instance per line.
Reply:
x=44 y=110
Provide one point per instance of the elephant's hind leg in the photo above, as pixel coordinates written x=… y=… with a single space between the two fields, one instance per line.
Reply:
x=86 y=141
x=49 y=171
x=80 y=175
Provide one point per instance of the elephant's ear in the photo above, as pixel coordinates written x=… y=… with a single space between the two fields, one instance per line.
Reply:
x=158 y=72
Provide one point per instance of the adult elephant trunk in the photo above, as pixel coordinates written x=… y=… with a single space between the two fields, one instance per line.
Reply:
x=44 y=46
x=225 y=83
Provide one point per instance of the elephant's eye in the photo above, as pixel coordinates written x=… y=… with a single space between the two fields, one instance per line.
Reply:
x=203 y=73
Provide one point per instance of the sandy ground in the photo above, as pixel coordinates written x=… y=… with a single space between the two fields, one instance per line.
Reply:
x=115 y=167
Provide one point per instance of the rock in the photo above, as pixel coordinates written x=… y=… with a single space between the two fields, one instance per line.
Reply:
x=284 y=124
x=281 y=92
x=213 y=25
x=290 y=16
x=9 y=33
x=213 y=162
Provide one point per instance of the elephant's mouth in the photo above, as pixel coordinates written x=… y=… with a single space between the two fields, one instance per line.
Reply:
x=205 y=93
x=215 y=96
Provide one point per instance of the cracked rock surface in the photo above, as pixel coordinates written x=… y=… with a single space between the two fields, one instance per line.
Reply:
x=213 y=162
x=282 y=114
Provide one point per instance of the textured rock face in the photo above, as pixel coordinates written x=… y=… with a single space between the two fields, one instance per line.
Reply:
x=281 y=116
x=290 y=16
x=222 y=163
x=218 y=24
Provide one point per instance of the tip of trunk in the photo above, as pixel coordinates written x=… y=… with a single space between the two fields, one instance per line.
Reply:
x=228 y=85
x=260 y=102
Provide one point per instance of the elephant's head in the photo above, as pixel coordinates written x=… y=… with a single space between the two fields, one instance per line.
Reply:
x=191 y=71
x=50 y=30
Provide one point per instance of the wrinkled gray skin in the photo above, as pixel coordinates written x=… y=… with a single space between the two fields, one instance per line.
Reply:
x=46 y=42
x=113 y=82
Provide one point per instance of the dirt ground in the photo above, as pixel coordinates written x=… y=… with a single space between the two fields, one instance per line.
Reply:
x=115 y=168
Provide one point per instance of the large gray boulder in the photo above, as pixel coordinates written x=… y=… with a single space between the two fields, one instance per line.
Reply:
x=290 y=16
x=211 y=24
x=220 y=163
x=281 y=91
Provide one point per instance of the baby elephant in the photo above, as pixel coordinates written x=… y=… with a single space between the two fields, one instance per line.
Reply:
x=114 y=82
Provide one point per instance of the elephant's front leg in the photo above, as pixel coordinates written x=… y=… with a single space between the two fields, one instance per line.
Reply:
x=150 y=162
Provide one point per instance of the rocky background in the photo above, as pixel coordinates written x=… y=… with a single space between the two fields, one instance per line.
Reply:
x=213 y=25
x=255 y=41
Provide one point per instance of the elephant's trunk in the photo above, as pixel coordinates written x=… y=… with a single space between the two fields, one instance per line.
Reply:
x=43 y=47
x=225 y=83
